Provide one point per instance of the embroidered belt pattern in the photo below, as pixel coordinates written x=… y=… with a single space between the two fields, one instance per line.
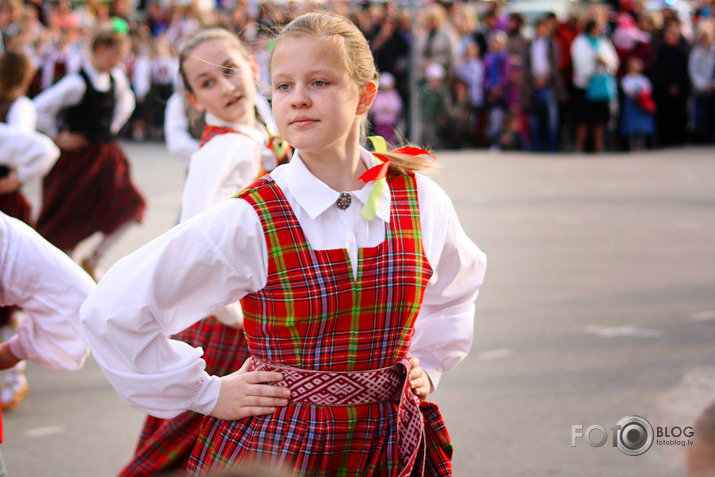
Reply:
x=357 y=388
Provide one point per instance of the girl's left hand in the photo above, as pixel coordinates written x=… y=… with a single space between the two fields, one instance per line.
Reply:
x=419 y=381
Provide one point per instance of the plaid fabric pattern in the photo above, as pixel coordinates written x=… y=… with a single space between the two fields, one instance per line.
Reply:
x=166 y=444
x=314 y=315
x=88 y=191
x=211 y=131
x=438 y=446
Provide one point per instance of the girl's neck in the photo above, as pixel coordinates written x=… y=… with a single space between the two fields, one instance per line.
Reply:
x=339 y=169
x=246 y=122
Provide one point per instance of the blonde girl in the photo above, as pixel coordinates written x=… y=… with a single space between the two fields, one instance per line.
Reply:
x=220 y=80
x=336 y=287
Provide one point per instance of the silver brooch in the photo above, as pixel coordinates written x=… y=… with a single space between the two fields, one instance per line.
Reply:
x=344 y=201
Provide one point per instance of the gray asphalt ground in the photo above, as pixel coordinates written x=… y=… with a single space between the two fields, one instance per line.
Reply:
x=599 y=303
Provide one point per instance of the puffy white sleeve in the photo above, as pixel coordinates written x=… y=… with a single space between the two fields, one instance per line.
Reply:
x=124 y=100
x=50 y=287
x=219 y=170
x=164 y=287
x=141 y=76
x=445 y=325
x=65 y=93
x=30 y=154
x=22 y=114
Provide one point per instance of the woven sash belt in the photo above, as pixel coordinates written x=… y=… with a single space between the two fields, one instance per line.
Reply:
x=357 y=388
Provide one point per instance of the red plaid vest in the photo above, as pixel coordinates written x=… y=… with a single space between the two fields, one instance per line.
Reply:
x=312 y=313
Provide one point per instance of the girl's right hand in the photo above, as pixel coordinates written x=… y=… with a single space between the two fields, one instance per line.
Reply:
x=244 y=394
x=9 y=184
x=68 y=141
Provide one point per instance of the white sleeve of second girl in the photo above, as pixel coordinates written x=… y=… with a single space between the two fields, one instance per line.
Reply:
x=445 y=325
x=124 y=100
x=218 y=171
x=31 y=154
x=50 y=287
x=23 y=114
x=162 y=288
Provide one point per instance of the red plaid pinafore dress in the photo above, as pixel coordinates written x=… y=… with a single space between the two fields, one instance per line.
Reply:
x=166 y=444
x=314 y=315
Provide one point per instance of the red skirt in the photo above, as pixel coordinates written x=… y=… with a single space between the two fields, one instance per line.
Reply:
x=165 y=445
x=15 y=204
x=88 y=191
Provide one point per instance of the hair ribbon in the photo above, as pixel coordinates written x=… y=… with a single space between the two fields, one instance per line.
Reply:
x=379 y=172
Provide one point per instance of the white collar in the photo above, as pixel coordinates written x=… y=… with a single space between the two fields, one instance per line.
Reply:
x=100 y=79
x=315 y=196
x=254 y=133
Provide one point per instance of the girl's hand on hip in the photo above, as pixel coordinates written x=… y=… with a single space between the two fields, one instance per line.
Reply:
x=68 y=141
x=419 y=381
x=244 y=393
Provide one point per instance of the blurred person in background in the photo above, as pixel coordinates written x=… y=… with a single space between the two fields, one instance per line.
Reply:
x=470 y=70
x=638 y=107
x=496 y=76
x=671 y=87
x=387 y=108
x=544 y=89
x=592 y=53
x=437 y=42
x=434 y=106
x=701 y=69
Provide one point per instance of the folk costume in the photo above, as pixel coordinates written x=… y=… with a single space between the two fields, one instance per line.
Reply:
x=29 y=155
x=329 y=297
x=89 y=190
x=229 y=159
x=50 y=287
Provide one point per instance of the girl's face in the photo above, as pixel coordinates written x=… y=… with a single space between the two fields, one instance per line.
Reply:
x=316 y=104
x=105 y=57
x=222 y=81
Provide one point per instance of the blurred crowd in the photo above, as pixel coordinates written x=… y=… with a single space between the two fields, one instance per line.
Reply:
x=606 y=76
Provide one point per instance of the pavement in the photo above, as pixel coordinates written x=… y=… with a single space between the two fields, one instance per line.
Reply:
x=598 y=305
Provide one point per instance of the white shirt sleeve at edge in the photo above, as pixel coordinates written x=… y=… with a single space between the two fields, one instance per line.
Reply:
x=67 y=92
x=50 y=287
x=175 y=280
x=445 y=325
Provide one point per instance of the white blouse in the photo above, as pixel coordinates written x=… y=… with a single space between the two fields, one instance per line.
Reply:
x=70 y=90
x=222 y=167
x=220 y=255
x=179 y=140
x=50 y=287
x=22 y=114
x=30 y=154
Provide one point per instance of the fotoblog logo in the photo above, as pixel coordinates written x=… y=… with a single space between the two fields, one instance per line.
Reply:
x=633 y=435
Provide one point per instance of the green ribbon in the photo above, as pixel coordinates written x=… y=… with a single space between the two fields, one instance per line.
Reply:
x=369 y=211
